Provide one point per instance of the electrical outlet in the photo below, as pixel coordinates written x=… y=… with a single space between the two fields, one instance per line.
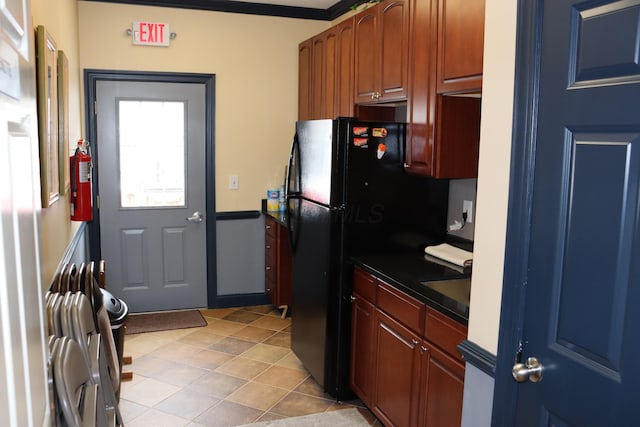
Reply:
x=467 y=206
x=233 y=182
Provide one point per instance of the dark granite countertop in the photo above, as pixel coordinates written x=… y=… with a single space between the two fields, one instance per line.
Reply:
x=440 y=287
x=445 y=289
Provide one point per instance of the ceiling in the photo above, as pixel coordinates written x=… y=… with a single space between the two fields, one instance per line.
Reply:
x=324 y=10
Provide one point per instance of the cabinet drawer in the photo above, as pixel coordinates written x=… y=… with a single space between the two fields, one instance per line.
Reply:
x=365 y=285
x=401 y=306
x=270 y=227
x=446 y=333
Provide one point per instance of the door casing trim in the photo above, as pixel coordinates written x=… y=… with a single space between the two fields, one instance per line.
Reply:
x=91 y=77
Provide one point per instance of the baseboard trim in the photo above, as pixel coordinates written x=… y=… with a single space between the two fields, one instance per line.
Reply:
x=231 y=215
x=478 y=357
x=240 y=300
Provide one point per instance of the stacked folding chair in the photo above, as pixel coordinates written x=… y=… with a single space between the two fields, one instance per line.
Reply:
x=83 y=364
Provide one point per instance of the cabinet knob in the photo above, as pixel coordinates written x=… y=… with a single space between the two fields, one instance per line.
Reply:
x=414 y=341
x=268 y=227
x=352 y=298
x=268 y=268
x=268 y=246
x=406 y=165
x=423 y=349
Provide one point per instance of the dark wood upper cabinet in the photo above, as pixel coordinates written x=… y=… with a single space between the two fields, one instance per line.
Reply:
x=381 y=48
x=443 y=133
x=344 y=67
x=394 y=34
x=421 y=97
x=366 y=63
x=324 y=74
x=427 y=52
x=304 y=79
x=460 y=45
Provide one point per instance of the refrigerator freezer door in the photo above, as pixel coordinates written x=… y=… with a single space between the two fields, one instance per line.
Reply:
x=316 y=159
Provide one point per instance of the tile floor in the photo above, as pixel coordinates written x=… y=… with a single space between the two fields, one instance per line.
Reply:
x=236 y=370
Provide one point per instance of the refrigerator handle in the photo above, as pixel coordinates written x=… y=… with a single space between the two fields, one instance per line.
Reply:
x=292 y=164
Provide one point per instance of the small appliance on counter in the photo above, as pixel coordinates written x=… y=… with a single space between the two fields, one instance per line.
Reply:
x=348 y=194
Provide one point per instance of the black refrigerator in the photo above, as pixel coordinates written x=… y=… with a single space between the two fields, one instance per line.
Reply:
x=348 y=194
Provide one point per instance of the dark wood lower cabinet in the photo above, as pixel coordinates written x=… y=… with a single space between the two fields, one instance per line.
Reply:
x=362 y=322
x=396 y=373
x=277 y=264
x=404 y=377
x=443 y=387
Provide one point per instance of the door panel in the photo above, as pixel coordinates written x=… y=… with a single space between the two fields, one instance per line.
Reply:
x=151 y=158
x=582 y=276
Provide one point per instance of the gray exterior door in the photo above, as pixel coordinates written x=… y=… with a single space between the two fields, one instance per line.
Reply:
x=151 y=171
x=579 y=254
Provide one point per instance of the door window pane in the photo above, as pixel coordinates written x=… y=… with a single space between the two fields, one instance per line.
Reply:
x=152 y=153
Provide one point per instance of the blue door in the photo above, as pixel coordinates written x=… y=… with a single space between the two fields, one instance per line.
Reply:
x=570 y=322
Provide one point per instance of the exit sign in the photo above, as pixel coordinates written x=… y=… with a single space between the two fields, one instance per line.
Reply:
x=151 y=33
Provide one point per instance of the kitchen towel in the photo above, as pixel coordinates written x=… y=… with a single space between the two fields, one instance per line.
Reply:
x=451 y=254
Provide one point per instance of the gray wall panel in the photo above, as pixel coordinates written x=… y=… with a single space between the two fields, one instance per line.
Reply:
x=240 y=256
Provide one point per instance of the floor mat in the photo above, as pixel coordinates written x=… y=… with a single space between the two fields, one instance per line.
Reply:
x=164 y=321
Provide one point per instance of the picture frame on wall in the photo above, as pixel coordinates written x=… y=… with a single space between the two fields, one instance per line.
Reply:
x=63 y=122
x=47 y=83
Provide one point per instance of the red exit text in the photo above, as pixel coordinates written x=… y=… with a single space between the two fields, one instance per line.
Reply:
x=151 y=33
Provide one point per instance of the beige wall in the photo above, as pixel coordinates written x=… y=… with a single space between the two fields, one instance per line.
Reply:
x=493 y=173
x=255 y=60
x=60 y=18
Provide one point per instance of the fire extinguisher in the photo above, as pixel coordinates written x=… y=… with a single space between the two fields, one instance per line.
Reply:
x=81 y=195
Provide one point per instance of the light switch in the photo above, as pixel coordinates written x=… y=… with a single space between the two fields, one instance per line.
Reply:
x=233 y=182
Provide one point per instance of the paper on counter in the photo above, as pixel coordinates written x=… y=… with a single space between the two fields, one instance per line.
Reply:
x=449 y=253
x=447 y=264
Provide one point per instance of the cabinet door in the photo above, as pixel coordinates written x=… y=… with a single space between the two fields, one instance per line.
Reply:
x=317 y=77
x=304 y=80
x=367 y=55
x=283 y=285
x=362 y=329
x=394 y=45
x=442 y=387
x=271 y=259
x=421 y=97
x=460 y=45
x=324 y=74
x=344 y=69
x=457 y=138
x=396 y=367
